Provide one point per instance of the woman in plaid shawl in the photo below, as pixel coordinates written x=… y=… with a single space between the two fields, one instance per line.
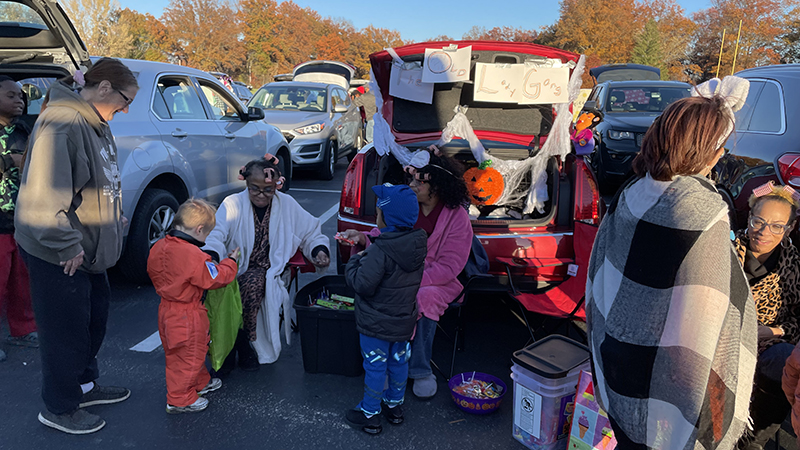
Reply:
x=672 y=324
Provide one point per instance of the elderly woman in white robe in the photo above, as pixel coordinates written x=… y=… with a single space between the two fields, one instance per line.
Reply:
x=269 y=227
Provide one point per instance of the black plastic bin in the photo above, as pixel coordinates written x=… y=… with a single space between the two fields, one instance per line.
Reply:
x=328 y=337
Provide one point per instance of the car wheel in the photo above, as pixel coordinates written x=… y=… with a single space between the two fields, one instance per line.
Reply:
x=152 y=219
x=285 y=166
x=326 y=170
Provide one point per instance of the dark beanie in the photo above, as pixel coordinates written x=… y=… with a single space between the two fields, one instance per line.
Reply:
x=399 y=205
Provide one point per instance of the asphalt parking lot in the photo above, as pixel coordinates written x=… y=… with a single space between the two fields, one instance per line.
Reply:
x=280 y=406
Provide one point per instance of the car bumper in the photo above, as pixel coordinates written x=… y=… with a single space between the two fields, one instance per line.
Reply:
x=305 y=150
x=616 y=158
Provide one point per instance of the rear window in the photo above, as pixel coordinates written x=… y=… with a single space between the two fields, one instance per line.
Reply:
x=291 y=98
x=768 y=112
x=643 y=99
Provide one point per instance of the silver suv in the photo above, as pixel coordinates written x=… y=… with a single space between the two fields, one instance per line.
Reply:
x=185 y=134
x=315 y=114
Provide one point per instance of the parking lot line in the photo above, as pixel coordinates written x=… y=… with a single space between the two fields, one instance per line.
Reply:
x=326 y=191
x=329 y=213
x=150 y=343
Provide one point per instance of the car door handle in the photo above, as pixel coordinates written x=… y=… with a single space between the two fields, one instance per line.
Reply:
x=179 y=134
x=230 y=136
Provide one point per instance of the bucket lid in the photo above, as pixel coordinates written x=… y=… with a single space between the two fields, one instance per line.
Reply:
x=552 y=357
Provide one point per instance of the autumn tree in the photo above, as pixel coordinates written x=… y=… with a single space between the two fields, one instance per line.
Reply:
x=647 y=50
x=207 y=34
x=510 y=34
x=604 y=28
x=149 y=37
x=675 y=33
x=763 y=23
x=97 y=23
x=258 y=20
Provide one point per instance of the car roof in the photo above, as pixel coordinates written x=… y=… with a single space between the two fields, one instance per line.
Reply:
x=645 y=83
x=778 y=70
x=300 y=84
x=137 y=65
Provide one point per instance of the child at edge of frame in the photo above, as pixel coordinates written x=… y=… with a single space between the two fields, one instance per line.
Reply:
x=181 y=274
x=386 y=277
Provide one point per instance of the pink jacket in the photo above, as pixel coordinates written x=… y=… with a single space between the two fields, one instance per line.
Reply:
x=448 y=251
x=791 y=387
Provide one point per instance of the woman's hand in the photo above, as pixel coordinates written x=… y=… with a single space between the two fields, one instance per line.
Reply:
x=356 y=236
x=765 y=332
x=322 y=260
x=72 y=265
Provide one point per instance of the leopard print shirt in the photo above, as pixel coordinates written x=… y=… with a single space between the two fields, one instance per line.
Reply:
x=777 y=295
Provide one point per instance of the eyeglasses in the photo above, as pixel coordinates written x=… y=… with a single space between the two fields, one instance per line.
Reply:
x=128 y=101
x=265 y=192
x=757 y=223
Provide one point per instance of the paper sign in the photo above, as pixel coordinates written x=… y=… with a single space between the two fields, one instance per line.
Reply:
x=446 y=65
x=498 y=83
x=520 y=83
x=406 y=82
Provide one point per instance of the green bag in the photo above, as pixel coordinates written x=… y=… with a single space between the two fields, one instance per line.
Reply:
x=225 y=319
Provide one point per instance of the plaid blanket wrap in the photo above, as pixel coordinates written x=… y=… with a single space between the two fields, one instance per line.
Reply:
x=672 y=324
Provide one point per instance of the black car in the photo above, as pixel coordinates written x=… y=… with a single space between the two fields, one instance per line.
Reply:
x=764 y=147
x=629 y=108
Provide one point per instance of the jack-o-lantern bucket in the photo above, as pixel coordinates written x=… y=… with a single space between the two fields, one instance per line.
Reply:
x=485 y=185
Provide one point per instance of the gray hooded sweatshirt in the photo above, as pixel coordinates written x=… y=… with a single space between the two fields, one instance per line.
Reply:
x=70 y=194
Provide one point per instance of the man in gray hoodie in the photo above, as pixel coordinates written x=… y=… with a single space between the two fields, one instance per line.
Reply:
x=69 y=225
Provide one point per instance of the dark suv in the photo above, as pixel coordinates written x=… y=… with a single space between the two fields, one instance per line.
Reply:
x=629 y=108
x=764 y=146
x=508 y=131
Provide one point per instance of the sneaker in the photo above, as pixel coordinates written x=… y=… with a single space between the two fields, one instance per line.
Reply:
x=393 y=415
x=78 y=422
x=357 y=419
x=213 y=385
x=104 y=395
x=199 y=405
x=425 y=388
x=29 y=340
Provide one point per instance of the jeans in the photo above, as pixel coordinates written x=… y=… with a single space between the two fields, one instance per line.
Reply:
x=71 y=313
x=422 y=349
x=382 y=358
x=768 y=405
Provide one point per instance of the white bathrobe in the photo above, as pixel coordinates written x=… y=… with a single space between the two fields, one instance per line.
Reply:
x=290 y=227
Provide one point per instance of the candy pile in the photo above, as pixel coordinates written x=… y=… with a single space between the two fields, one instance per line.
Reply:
x=478 y=389
x=325 y=299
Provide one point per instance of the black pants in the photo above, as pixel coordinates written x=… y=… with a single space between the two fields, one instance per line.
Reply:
x=71 y=313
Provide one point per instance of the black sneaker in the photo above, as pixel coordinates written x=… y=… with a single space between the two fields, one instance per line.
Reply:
x=104 y=395
x=393 y=415
x=357 y=419
x=78 y=422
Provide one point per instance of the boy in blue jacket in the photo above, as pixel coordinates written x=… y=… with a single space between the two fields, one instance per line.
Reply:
x=386 y=277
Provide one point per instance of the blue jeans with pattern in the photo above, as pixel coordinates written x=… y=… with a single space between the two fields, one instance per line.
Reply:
x=382 y=358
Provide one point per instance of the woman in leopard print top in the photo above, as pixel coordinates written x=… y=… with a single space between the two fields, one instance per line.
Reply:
x=772 y=266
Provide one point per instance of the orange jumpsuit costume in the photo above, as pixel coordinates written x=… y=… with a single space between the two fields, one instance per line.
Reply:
x=181 y=273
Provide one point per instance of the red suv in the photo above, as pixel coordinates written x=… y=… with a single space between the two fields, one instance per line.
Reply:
x=507 y=131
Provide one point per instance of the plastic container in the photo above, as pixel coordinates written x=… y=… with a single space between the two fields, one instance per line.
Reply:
x=328 y=337
x=476 y=405
x=545 y=378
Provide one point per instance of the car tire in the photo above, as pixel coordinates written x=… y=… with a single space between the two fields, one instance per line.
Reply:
x=151 y=220
x=285 y=166
x=326 y=170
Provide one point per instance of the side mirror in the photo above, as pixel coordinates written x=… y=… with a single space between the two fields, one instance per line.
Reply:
x=32 y=91
x=340 y=108
x=254 y=113
x=590 y=105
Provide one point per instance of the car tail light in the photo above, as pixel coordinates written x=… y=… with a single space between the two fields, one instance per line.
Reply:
x=350 y=202
x=587 y=195
x=788 y=168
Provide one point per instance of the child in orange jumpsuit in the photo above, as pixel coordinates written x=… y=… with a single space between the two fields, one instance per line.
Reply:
x=181 y=274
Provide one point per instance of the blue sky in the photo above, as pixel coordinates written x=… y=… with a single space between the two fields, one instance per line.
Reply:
x=420 y=19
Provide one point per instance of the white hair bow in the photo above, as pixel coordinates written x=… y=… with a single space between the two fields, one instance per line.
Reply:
x=733 y=91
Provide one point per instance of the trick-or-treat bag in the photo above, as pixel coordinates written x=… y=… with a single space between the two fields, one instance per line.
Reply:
x=225 y=318
x=590 y=428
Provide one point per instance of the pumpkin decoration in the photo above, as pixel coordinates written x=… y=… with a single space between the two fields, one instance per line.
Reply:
x=485 y=184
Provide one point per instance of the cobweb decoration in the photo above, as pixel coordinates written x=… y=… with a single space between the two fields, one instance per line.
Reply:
x=513 y=172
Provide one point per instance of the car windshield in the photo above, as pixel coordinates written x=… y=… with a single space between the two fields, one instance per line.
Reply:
x=633 y=99
x=291 y=98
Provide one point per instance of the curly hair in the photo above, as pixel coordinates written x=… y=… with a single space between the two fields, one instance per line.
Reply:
x=447 y=180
